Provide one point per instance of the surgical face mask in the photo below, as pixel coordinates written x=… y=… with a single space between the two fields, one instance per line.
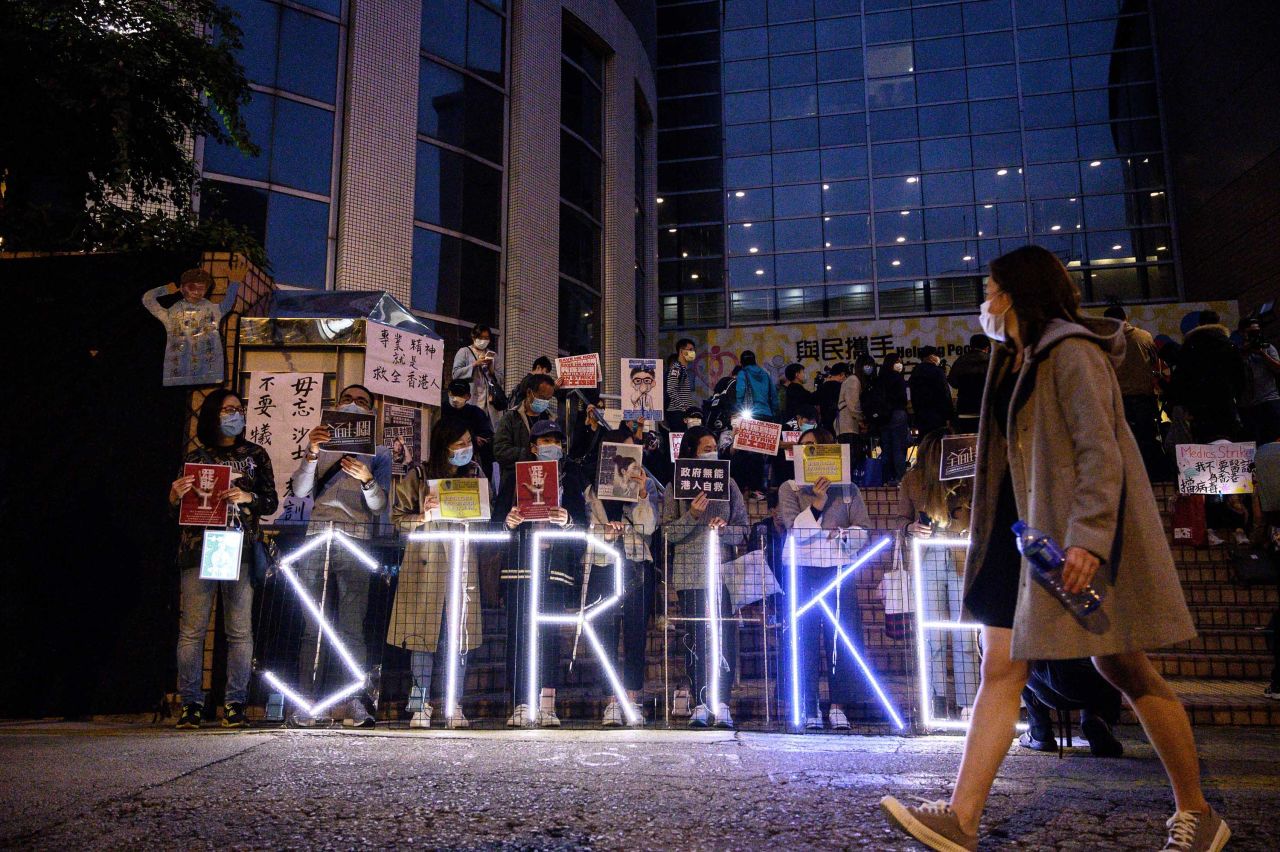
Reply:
x=231 y=424
x=868 y=370
x=711 y=456
x=458 y=458
x=992 y=324
x=353 y=408
x=805 y=427
x=481 y=344
x=457 y=401
x=688 y=356
x=691 y=422
x=550 y=452
x=897 y=368
x=539 y=405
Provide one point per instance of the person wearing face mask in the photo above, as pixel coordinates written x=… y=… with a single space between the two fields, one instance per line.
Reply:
x=350 y=494
x=806 y=420
x=478 y=365
x=895 y=430
x=220 y=431
x=541 y=367
x=930 y=394
x=459 y=408
x=419 y=615
x=678 y=390
x=561 y=571
x=687 y=525
x=511 y=438
x=1055 y=451
x=829 y=523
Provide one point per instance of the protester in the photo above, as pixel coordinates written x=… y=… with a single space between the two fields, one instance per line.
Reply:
x=627 y=526
x=1063 y=456
x=420 y=613
x=890 y=392
x=350 y=495
x=719 y=408
x=928 y=505
x=541 y=367
x=828 y=395
x=930 y=394
x=756 y=393
x=849 y=421
x=220 y=432
x=1209 y=380
x=687 y=525
x=806 y=420
x=511 y=438
x=968 y=376
x=477 y=364
x=828 y=523
x=474 y=418
x=1066 y=685
x=1260 y=405
x=1137 y=377
x=678 y=393
x=792 y=394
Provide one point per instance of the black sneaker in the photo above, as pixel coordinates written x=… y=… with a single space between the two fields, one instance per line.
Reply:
x=1102 y=742
x=233 y=715
x=192 y=716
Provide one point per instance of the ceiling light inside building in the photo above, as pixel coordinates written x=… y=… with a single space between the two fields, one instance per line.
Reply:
x=659 y=199
x=913 y=180
x=739 y=194
x=897 y=263
x=1002 y=172
x=753 y=249
x=967 y=258
x=759 y=272
x=1056 y=228
x=1095 y=164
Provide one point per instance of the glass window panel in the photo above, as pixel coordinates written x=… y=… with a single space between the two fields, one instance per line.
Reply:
x=890 y=60
x=1149 y=207
x=685 y=143
x=700 y=274
x=1042 y=43
x=302 y=146
x=1083 y=10
x=797 y=234
x=900 y=261
x=850 y=300
x=799 y=268
x=691 y=240
x=888 y=26
x=841 y=97
x=579 y=246
x=751 y=306
x=839 y=231
x=941 y=223
x=1049 y=145
x=457 y=193
x=794 y=102
x=1154 y=244
x=691 y=174
x=1106 y=176
x=259 y=22
x=746 y=75
x=896 y=158
x=802 y=200
x=993 y=81
x=840 y=163
x=575 y=47
x=938 y=154
x=1048 y=111
x=1089 y=72
x=988 y=48
x=891 y=92
x=948 y=188
x=580 y=174
x=995 y=115
x=444 y=29
x=941 y=86
x=888 y=125
x=746 y=106
x=750 y=205
x=848 y=265
x=939 y=53
x=842 y=129
x=746 y=44
x=685 y=48
x=797 y=303
x=744 y=13
x=997 y=150
x=581 y=104
x=579 y=319
x=894 y=229
x=791 y=70
x=849 y=196
x=949 y=259
x=1053 y=75
x=226 y=159
x=840 y=65
x=995 y=219
x=740 y=240
x=789 y=10
x=945 y=120
x=1033 y=12
x=800 y=133
x=1106 y=212
x=432 y=273
x=746 y=139
x=796 y=167
x=1056 y=215
x=989 y=186
x=689 y=79
x=790 y=38
x=690 y=111
x=297 y=239
x=1123 y=283
x=484 y=43
x=747 y=171
x=896 y=192
x=691 y=207
x=331 y=7
x=987 y=15
x=1094 y=37
x=1110 y=246
x=937 y=21
x=245 y=206
x=1051 y=180
x=459 y=110
x=838 y=32
x=1093 y=106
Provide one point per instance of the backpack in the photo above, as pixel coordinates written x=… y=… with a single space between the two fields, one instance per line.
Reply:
x=718 y=408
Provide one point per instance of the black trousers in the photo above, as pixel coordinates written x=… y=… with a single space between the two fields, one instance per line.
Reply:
x=628 y=618
x=696 y=638
x=1068 y=685
x=551 y=598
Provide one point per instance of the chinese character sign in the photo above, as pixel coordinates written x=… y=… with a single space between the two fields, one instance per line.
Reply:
x=694 y=476
x=757 y=436
x=818 y=461
x=1215 y=468
x=402 y=434
x=402 y=364
x=959 y=457
x=641 y=389
x=537 y=488
x=579 y=371
x=621 y=473
x=349 y=432
x=201 y=505
x=283 y=409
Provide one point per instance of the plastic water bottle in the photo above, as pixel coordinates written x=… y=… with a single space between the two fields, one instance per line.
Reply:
x=1047 y=558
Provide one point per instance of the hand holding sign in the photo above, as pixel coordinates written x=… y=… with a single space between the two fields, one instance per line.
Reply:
x=699 y=505
x=356 y=469
x=180 y=487
x=317 y=437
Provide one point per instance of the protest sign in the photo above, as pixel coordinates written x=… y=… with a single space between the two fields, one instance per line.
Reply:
x=621 y=473
x=349 y=432
x=283 y=409
x=200 y=507
x=460 y=499
x=220 y=554
x=403 y=364
x=757 y=436
x=959 y=457
x=537 y=488
x=641 y=389
x=816 y=461
x=578 y=371
x=677 y=438
x=790 y=437
x=695 y=476
x=402 y=435
x=1215 y=468
x=612 y=417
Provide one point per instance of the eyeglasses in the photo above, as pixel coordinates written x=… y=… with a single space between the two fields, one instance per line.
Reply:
x=642 y=383
x=348 y=399
x=234 y=409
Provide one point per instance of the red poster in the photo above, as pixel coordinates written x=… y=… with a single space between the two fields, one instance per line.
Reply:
x=200 y=506
x=537 y=488
x=758 y=436
x=790 y=438
x=579 y=371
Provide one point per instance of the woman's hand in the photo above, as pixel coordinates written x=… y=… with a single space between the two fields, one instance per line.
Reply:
x=717 y=523
x=235 y=496
x=820 y=489
x=612 y=529
x=559 y=516
x=180 y=488
x=643 y=487
x=1079 y=570
x=919 y=530
x=514 y=519
x=699 y=506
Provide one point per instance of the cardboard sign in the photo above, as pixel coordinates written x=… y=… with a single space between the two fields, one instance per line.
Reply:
x=537 y=488
x=791 y=437
x=1216 y=468
x=460 y=499
x=200 y=506
x=677 y=438
x=220 y=555
x=579 y=371
x=959 y=457
x=403 y=364
x=815 y=461
x=402 y=435
x=641 y=389
x=621 y=473
x=695 y=476
x=757 y=436
x=351 y=432
x=283 y=409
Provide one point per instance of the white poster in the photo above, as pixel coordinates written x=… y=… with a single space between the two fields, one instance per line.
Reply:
x=402 y=364
x=641 y=389
x=283 y=409
x=1216 y=468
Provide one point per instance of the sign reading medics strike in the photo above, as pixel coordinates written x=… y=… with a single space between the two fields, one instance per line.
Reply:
x=1216 y=468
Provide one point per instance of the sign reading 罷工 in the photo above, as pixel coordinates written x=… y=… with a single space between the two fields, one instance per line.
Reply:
x=959 y=457
x=402 y=364
x=283 y=409
x=1216 y=468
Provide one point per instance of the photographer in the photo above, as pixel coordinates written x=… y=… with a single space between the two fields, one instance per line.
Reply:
x=1260 y=405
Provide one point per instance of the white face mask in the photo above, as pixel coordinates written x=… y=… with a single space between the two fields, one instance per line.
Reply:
x=897 y=368
x=457 y=401
x=481 y=344
x=992 y=325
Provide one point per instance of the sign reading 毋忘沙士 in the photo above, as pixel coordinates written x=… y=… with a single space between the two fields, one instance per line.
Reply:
x=959 y=457
x=1223 y=468
x=283 y=409
x=403 y=364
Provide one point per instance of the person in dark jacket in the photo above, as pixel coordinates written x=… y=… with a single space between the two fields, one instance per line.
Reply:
x=895 y=430
x=474 y=418
x=511 y=439
x=756 y=390
x=792 y=394
x=930 y=393
x=968 y=376
x=541 y=367
x=1069 y=685
x=1209 y=380
x=828 y=395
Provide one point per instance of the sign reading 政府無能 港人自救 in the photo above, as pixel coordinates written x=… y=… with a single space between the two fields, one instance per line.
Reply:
x=697 y=476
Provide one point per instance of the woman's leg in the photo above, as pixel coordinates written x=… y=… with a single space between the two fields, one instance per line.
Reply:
x=991 y=730
x=809 y=650
x=1163 y=718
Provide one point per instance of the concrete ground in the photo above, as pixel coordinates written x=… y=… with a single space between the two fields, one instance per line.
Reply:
x=127 y=785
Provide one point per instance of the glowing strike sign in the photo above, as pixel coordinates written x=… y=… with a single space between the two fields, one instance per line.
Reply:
x=460 y=540
x=819 y=600
x=582 y=618
x=358 y=674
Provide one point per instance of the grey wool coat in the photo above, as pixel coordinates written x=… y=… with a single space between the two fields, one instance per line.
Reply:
x=1078 y=476
x=688 y=537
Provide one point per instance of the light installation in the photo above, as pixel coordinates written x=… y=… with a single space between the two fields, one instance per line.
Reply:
x=798 y=609
x=359 y=676
x=457 y=571
x=582 y=618
x=713 y=618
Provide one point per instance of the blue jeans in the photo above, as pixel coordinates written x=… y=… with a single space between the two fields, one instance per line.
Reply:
x=196 y=605
x=423 y=664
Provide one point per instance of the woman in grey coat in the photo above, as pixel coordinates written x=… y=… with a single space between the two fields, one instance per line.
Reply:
x=1055 y=450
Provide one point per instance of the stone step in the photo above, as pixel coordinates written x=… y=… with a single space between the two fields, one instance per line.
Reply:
x=1229 y=594
x=1227 y=641
x=1213 y=666
x=1233 y=615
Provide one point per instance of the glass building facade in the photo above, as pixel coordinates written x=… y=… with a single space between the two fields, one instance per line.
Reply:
x=846 y=158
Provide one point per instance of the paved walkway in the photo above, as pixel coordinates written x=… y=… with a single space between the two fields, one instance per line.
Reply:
x=121 y=785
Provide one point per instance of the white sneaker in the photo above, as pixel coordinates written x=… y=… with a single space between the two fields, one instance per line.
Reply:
x=966 y=713
x=1211 y=538
x=700 y=717
x=813 y=723
x=421 y=719
x=723 y=719
x=457 y=720
x=612 y=716
x=548 y=719
x=1241 y=538
x=839 y=721
x=639 y=717
x=520 y=718
x=680 y=703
